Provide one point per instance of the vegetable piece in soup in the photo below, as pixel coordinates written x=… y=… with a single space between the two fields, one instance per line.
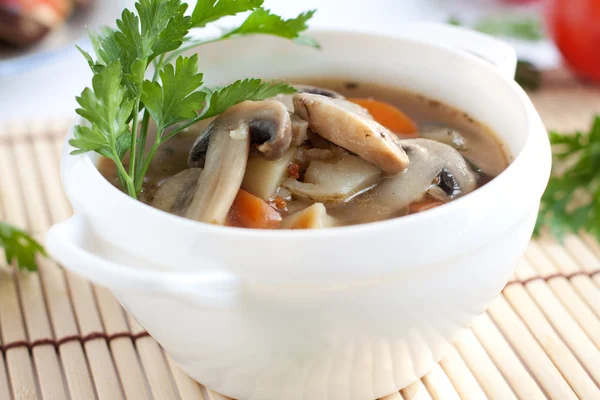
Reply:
x=333 y=154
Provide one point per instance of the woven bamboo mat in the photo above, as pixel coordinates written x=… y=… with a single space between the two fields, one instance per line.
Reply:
x=63 y=338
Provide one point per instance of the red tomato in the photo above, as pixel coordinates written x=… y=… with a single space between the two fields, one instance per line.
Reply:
x=575 y=27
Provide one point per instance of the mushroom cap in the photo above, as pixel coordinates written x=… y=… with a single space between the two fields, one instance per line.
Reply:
x=268 y=123
x=287 y=99
x=352 y=127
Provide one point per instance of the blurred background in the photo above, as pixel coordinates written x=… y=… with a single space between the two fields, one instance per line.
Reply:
x=41 y=71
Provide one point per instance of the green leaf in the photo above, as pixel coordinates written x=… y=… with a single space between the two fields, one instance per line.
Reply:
x=261 y=21
x=135 y=78
x=176 y=99
x=172 y=37
x=221 y=99
x=595 y=132
x=19 y=246
x=207 y=11
x=129 y=37
x=571 y=201
x=87 y=57
x=107 y=107
x=163 y=25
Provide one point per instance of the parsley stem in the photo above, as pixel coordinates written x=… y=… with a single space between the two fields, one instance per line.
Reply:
x=134 y=128
x=123 y=173
x=157 y=66
x=147 y=162
x=141 y=149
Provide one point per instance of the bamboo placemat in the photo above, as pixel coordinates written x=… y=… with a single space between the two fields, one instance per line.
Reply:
x=63 y=338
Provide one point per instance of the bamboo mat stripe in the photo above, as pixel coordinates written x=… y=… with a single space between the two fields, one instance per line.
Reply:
x=62 y=338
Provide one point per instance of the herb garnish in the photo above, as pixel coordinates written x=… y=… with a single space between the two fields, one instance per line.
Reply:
x=174 y=98
x=19 y=246
x=572 y=199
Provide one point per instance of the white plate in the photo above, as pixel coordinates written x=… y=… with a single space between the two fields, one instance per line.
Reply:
x=62 y=40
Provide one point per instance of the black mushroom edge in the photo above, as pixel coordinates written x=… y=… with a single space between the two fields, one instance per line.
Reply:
x=268 y=123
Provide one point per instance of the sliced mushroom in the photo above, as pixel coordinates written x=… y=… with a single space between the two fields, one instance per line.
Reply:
x=267 y=121
x=287 y=99
x=226 y=158
x=351 y=127
x=312 y=217
x=335 y=181
x=428 y=160
x=175 y=194
x=299 y=130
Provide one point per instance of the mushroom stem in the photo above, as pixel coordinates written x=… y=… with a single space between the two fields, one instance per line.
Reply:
x=222 y=177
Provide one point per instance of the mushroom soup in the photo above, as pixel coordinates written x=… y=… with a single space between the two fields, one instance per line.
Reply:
x=336 y=153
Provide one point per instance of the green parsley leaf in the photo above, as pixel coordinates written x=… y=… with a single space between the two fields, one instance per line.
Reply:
x=108 y=108
x=120 y=93
x=163 y=25
x=19 y=246
x=176 y=99
x=221 y=99
x=261 y=21
x=129 y=37
x=571 y=201
x=207 y=11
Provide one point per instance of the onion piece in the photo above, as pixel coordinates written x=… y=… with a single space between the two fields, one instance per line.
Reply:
x=263 y=177
x=335 y=181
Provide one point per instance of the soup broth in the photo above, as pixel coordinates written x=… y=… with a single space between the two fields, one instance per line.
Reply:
x=323 y=181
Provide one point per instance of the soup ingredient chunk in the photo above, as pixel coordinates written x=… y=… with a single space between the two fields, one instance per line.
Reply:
x=312 y=217
x=428 y=159
x=175 y=194
x=335 y=181
x=263 y=176
x=224 y=169
x=249 y=211
x=268 y=123
x=388 y=116
x=350 y=126
x=288 y=99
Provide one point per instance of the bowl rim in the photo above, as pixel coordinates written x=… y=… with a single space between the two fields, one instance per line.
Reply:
x=534 y=131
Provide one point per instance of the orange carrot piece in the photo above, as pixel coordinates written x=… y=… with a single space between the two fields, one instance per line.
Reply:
x=388 y=116
x=249 y=211
x=423 y=205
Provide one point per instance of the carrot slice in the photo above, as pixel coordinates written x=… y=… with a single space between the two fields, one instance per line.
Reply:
x=388 y=116
x=249 y=211
x=423 y=205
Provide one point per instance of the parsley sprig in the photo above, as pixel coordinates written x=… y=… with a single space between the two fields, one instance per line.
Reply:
x=19 y=246
x=572 y=199
x=157 y=34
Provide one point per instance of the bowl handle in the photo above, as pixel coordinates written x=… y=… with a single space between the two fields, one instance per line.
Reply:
x=206 y=288
x=491 y=49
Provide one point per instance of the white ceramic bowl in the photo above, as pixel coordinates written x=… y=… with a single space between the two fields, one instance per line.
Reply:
x=345 y=313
